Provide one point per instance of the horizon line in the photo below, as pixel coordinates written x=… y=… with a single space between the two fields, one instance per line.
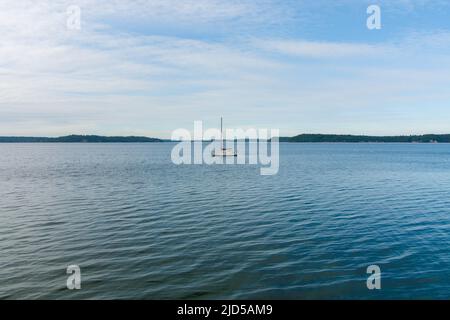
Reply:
x=169 y=139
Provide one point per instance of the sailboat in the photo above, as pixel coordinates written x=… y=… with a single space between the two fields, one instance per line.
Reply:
x=223 y=152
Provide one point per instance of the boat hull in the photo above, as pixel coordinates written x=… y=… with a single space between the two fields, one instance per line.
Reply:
x=224 y=153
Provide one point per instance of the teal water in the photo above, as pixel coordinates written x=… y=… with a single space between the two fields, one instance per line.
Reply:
x=140 y=227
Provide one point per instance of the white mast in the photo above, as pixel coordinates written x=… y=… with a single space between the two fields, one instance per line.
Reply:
x=221 y=132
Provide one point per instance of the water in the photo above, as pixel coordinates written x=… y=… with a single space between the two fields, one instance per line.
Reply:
x=140 y=227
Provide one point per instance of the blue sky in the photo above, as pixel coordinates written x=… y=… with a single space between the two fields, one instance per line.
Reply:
x=150 y=67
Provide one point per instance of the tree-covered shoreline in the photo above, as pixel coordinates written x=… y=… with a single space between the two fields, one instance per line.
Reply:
x=79 y=139
x=331 y=138
x=302 y=138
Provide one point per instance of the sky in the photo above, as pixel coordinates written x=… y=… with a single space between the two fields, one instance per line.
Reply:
x=151 y=67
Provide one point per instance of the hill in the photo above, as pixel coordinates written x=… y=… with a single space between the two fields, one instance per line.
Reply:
x=78 y=139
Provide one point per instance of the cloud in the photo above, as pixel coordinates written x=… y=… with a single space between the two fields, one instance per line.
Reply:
x=322 y=49
x=107 y=79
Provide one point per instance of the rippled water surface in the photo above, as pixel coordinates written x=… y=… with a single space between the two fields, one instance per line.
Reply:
x=141 y=227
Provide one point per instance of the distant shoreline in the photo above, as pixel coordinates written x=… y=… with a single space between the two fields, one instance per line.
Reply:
x=332 y=138
x=302 y=138
x=82 y=139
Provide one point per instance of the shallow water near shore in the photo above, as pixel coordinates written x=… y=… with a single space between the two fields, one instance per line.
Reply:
x=141 y=227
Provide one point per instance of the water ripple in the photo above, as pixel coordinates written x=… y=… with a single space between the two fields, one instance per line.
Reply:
x=141 y=227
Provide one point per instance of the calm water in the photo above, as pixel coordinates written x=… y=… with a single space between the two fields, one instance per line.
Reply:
x=141 y=227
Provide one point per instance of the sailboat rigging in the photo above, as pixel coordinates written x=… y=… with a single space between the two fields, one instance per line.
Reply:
x=223 y=152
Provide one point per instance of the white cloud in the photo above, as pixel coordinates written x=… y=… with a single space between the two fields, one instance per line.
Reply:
x=107 y=81
x=322 y=49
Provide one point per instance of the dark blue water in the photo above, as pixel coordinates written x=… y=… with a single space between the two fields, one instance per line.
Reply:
x=140 y=227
